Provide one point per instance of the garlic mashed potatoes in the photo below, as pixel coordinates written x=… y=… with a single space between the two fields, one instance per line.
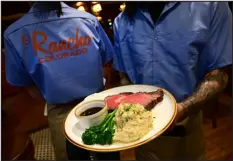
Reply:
x=132 y=122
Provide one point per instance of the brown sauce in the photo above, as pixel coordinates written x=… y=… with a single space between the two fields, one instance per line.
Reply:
x=91 y=111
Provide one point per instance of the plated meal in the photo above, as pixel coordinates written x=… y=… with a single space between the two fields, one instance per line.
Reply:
x=128 y=120
x=120 y=118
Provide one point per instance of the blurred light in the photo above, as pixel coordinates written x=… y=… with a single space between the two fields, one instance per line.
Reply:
x=109 y=20
x=110 y=23
x=96 y=8
x=94 y=2
x=99 y=18
x=79 y=4
x=81 y=8
x=122 y=7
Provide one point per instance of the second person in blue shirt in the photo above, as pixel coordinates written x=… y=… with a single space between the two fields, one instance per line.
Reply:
x=184 y=48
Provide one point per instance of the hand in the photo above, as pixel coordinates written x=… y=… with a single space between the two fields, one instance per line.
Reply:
x=124 y=81
x=180 y=116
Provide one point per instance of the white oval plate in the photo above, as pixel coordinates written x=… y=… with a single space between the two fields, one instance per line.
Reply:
x=163 y=112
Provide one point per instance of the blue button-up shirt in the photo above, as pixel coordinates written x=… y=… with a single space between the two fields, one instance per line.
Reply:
x=62 y=56
x=188 y=40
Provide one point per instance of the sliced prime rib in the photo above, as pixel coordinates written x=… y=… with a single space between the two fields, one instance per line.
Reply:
x=114 y=100
x=147 y=99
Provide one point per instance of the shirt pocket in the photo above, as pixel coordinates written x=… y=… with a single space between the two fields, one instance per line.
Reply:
x=179 y=46
x=141 y=53
x=141 y=47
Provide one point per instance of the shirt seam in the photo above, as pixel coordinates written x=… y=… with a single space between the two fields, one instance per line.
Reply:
x=42 y=22
x=31 y=12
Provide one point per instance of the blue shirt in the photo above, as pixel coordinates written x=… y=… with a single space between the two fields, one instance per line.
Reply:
x=188 y=40
x=62 y=56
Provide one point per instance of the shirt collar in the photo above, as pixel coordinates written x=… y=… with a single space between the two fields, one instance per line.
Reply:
x=33 y=9
x=167 y=7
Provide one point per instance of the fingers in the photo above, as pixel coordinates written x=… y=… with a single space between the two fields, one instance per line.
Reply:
x=170 y=129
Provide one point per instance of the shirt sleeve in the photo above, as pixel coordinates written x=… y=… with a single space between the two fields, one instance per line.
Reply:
x=218 y=52
x=117 y=58
x=106 y=46
x=16 y=74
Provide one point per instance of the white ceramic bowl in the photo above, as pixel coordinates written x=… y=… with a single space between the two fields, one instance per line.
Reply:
x=94 y=119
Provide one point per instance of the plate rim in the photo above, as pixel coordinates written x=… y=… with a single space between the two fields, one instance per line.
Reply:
x=130 y=146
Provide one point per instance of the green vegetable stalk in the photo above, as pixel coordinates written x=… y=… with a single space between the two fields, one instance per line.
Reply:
x=101 y=134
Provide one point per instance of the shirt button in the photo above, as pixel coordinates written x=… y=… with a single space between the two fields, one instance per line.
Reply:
x=155 y=38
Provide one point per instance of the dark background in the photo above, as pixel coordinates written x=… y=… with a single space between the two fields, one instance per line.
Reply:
x=14 y=7
x=109 y=11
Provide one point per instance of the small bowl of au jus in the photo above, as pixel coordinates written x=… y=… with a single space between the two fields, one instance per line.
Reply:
x=91 y=113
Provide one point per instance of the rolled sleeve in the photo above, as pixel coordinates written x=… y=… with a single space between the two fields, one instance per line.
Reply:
x=106 y=46
x=117 y=58
x=218 y=52
x=16 y=74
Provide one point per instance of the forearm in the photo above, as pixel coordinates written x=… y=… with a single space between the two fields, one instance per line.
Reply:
x=213 y=83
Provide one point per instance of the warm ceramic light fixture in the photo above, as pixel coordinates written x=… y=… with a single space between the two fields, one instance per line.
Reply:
x=81 y=8
x=96 y=8
x=122 y=7
x=79 y=4
x=99 y=18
